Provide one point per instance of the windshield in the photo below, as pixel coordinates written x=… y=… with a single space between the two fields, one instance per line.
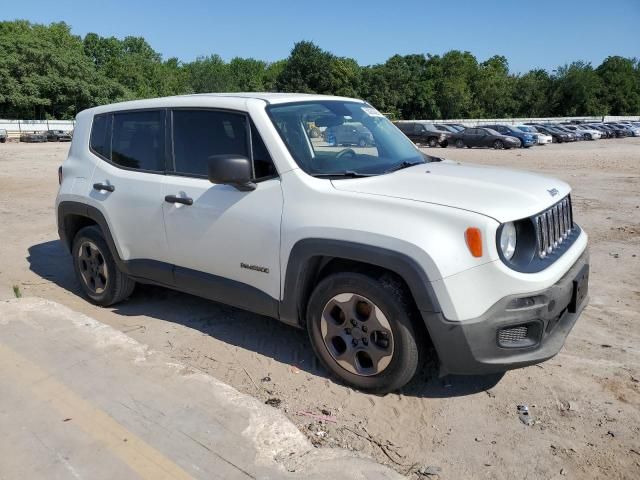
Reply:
x=342 y=138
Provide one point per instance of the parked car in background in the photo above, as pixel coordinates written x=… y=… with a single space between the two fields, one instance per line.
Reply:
x=541 y=138
x=633 y=131
x=483 y=137
x=424 y=133
x=456 y=126
x=619 y=132
x=33 y=137
x=58 y=136
x=606 y=133
x=589 y=133
x=351 y=133
x=557 y=136
x=445 y=128
x=526 y=139
x=577 y=134
x=3 y=135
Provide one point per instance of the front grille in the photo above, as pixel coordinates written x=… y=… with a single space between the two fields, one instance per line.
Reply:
x=514 y=335
x=553 y=226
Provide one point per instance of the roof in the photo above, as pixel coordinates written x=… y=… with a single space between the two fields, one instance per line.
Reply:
x=273 y=97
x=237 y=100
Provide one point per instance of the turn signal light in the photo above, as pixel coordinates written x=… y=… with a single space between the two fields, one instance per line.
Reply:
x=473 y=237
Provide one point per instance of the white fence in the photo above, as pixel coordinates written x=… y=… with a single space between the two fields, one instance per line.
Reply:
x=15 y=127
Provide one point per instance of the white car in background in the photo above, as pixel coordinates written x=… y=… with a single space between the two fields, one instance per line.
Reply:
x=633 y=126
x=541 y=138
x=591 y=133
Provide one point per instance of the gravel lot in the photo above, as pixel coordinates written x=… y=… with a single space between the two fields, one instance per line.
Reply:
x=585 y=401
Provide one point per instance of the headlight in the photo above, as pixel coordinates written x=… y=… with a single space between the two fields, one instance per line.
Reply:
x=508 y=240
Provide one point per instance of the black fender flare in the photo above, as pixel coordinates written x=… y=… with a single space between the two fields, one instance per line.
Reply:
x=68 y=208
x=303 y=264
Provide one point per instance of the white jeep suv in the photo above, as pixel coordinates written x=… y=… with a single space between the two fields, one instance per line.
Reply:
x=377 y=250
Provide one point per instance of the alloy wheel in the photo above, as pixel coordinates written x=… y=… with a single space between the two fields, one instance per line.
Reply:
x=93 y=268
x=357 y=334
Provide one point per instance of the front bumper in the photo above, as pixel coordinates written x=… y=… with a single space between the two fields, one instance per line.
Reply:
x=486 y=344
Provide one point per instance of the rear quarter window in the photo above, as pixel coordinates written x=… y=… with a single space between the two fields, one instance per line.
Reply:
x=100 y=142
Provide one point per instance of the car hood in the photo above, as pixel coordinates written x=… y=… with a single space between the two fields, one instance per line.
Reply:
x=499 y=193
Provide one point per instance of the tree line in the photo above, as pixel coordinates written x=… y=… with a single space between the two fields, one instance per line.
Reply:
x=47 y=72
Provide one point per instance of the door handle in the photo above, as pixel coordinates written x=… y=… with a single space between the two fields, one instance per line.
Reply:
x=182 y=200
x=103 y=187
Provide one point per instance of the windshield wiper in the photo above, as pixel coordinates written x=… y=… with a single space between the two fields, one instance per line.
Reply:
x=346 y=173
x=403 y=165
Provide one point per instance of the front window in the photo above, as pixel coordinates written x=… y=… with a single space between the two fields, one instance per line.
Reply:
x=335 y=138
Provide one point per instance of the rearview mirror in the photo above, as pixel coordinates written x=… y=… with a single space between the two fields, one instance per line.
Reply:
x=329 y=121
x=232 y=170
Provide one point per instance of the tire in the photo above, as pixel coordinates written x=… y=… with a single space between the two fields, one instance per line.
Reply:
x=343 y=295
x=362 y=142
x=432 y=142
x=3 y=140
x=459 y=143
x=444 y=144
x=96 y=270
x=498 y=145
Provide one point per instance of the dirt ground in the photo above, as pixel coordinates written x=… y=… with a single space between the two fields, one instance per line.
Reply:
x=585 y=401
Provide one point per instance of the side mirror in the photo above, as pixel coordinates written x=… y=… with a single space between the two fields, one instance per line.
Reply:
x=232 y=170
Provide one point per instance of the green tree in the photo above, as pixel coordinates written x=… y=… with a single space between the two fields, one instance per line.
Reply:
x=531 y=94
x=621 y=87
x=493 y=89
x=308 y=70
x=45 y=73
x=208 y=74
x=455 y=72
x=577 y=91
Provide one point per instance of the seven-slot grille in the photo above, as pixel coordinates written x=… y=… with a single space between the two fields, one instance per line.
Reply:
x=553 y=226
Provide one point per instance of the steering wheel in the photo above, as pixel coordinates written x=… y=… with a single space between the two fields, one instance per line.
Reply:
x=346 y=151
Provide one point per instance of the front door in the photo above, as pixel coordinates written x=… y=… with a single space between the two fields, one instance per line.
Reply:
x=224 y=243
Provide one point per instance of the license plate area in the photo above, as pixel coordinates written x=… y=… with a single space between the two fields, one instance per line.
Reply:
x=580 y=289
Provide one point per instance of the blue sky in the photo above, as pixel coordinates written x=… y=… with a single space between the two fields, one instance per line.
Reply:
x=531 y=34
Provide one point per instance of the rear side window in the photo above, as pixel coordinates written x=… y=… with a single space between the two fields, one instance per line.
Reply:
x=100 y=141
x=138 y=140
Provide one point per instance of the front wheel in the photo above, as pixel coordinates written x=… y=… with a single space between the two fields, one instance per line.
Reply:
x=360 y=329
x=96 y=270
x=498 y=145
x=362 y=142
x=432 y=142
x=460 y=143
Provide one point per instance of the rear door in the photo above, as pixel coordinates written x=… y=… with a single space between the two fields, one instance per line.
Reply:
x=221 y=236
x=483 y=139
x=127 y=186
x=471 y=137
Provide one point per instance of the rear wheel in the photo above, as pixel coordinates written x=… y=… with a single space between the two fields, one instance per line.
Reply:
x=459 y=143
x=96 y=270
x=360 y=329
x=498 y=145
x=362 y=142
